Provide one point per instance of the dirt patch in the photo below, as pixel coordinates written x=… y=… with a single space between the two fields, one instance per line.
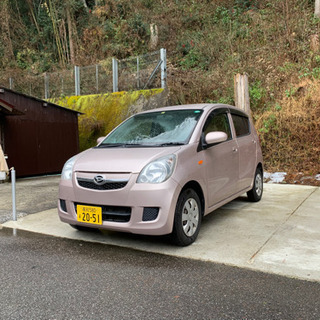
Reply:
x=297 y=178
x=300 y=178
x=290 y=132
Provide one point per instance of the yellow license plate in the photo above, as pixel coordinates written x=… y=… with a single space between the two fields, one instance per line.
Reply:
x=89 y=214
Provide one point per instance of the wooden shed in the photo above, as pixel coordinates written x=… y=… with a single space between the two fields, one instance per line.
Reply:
x=37 y=136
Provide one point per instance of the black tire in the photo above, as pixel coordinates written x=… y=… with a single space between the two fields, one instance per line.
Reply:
x=255 y=194
x=187 y=220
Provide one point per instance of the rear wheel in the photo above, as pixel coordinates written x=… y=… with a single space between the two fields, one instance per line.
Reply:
x=255 y=194
x=187 y=219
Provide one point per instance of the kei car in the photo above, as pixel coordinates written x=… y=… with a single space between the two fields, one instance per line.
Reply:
x=161 y=171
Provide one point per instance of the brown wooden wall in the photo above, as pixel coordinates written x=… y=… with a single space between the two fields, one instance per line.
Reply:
x=41 y=140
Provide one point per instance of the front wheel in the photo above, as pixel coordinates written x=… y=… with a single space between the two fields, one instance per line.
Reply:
x=187 y=218
x=255 y=194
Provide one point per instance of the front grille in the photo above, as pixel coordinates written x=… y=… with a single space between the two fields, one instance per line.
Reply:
x=107 y=185
x=150 y=214
x=112 y=213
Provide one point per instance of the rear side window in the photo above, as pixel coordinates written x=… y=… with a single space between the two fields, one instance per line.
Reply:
x=241 y=125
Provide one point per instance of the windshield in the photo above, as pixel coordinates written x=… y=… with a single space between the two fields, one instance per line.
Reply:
x=173 y=127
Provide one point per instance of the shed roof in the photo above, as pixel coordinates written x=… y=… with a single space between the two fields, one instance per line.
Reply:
x=8 y=109
x=44 y=102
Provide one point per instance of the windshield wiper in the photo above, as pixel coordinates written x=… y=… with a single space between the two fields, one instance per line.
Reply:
x=119 y=145
x=170 y=144
x=136 y=145
x=110 y=145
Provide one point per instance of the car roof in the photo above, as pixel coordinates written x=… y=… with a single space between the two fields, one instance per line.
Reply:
x=201 y=106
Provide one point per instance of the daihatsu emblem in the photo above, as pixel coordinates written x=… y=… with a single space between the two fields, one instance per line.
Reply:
x=99 y=180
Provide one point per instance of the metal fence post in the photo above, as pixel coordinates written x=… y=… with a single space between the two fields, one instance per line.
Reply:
x=163 y=57
x=10 y=83
x=97 y=78
x=46 y=86
x=115 y=74
x=77 y=80
x=138 y=73
x=62 y=86
x=13 y=185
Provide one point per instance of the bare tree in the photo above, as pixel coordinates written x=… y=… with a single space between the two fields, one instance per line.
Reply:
x=85 y=4
x=5 y=30
x=70 y=33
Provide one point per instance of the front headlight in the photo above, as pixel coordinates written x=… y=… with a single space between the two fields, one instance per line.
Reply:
x=66 y=173
x=158 y=171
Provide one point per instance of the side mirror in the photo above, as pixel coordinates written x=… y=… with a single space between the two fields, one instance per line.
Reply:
x=215 y=137
x=100 y=139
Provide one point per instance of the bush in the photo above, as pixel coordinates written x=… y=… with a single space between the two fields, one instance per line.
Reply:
x=246 y=4
x=257 y=96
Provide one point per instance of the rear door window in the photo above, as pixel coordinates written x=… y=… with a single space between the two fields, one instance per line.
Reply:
x=241 y=125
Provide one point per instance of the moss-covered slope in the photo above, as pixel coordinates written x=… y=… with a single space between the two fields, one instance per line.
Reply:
x=101 y=113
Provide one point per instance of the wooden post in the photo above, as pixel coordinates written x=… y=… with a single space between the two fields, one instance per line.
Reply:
x=154 y=36
x=241 y=92
x=314 y=43
x=317 y=9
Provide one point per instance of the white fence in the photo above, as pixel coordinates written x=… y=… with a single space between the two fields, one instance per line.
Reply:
x=135 y=73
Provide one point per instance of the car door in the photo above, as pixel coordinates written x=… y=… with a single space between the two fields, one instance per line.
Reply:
x=221 y=160
x=247 y=145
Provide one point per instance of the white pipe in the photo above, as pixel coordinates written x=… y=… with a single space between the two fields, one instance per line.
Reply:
x=13 y=184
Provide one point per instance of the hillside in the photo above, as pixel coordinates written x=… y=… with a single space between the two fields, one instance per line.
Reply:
x=275 y=42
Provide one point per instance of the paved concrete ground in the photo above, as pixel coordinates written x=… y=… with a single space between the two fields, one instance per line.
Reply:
x=32 y=195
x=280 y=234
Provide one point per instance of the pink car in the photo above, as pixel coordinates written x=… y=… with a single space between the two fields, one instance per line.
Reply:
x=161 y=171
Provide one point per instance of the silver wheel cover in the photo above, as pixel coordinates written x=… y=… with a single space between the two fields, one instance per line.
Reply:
x=190 y=217
x=258 y=185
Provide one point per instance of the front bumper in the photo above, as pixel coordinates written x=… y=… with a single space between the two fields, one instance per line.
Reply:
x=151 y=206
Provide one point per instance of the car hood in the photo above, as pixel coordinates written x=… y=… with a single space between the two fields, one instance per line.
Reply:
x=118 y=160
